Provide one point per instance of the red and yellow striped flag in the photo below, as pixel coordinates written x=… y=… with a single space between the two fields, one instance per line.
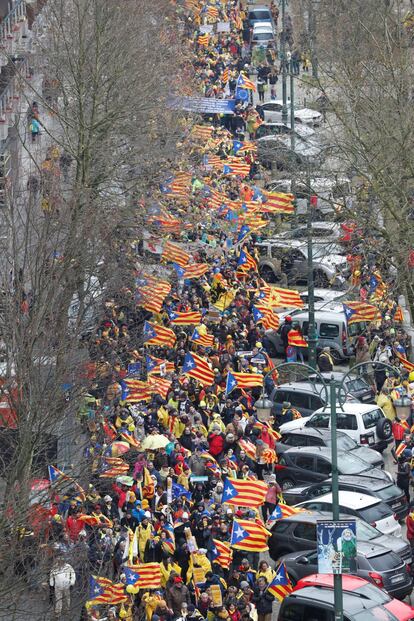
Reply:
x=249 y=536
x=174 y=253
x=104 y=591
x=225 y=553
x=134 y=390
x=282 y=298
x=398 y=315
x=203 y=39
x=247 y=380
x=244 y=493
x=203 y=132
x=270 y=320
x=400 y=449
x=278 y=202
x=295 y=339
x=155 y=334
x=225 y=75
x=159 y=386
x=281 y=585
x=198 y=367
x=212 y=11
x=409 y=366
x=248 y=447
x=143 y=576
x=190 y=318
x=204 y=340
x=116 y=467
x=196 y=270
x=356 y=311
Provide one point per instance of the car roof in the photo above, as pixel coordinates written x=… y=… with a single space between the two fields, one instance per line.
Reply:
x=320 y=450
x=259 y=25
x=353 y=603
x=368 y=481
x=309 y=516
x=349 y=582
x=351 y=500
x=258 y=7
x=300 y=387
x=355 y=408
x=313 y=431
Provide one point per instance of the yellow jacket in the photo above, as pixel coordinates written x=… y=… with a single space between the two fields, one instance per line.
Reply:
x=144 y=533
x=166 y=571
x=197 y=560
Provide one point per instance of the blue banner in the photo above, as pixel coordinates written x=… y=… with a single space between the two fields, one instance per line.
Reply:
x=207 y=105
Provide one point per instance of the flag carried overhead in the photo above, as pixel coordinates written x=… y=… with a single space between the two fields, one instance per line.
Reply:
x=134 y=391
x=281 y=585
x=242 y=380
x=144 y=576
x=204 y=340
x=282 y=511
x=104 y=591
x=175 y=254
x=360 y=311
x=222 y=553
x=246 y=262
x=249 y=536
x=185 y=318
x=198 y=367
x=244 y=493
x=155 y=334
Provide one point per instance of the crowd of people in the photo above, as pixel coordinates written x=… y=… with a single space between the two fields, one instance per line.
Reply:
x=176 y=368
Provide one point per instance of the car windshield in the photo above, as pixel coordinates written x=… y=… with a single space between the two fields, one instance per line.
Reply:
x=374 y=513
x=262 y=36
x=366 y=532
x=354 y=385
x=386 y=493
x=259 y=16
x=385 y=562
x=345 y=443
x=350 y=464
x=369 y=591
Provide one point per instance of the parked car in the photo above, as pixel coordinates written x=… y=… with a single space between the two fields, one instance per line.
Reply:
x=381 y=488
x=263 y=34
x=280 y=259
x=309 y=395
x=272 y=111
x=324 y=231
x=375 y=563
x=322 y=437
x=259 y=13
x=298 y=532
x=324 y=295
x=366 y=424
x=331 y=195
x=311 y=464
x=313 y=600
x=279 y=128
x=332 y=329
x=275 y=151
x=372 y=510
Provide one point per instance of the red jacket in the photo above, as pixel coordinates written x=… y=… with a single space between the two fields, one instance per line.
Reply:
x=74 y=527
x=216 y=444
x=410 y=526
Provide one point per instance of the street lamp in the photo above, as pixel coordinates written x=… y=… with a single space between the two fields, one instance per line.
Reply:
x=283 y=58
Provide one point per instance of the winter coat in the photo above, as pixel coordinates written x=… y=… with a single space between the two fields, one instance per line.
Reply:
x=176 y=597
x=263 y=601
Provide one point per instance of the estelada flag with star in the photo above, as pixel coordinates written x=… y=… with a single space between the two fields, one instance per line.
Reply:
x=144 y=576
x=222 y=553
x=244 y=493
x=104 y=591
x=249 y=536
x=281 y=585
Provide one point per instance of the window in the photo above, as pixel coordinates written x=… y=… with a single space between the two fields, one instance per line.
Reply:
x=291 y=612
x=329 y=330
x=375 y=513
x=276 y=252
x=262 y=36
x=280 y=396
x=386 y=493
x=294 y=440
x=347 y=421
x=305 y=328
x=315 y=613
x=263 y=251
x=298 y=400
x=318 y=506
x=260 y=16
x=315 y=441
x=305 y=531
x=305 y=462
x=271 y=107
x=281 y=527
x=316 y=402
x=357 y=328
x=320 y=490
x=371 y=418
x=320 y=421
x=385 y=562
x=323 y=466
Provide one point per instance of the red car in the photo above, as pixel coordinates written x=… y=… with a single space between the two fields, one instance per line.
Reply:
x=354 y=584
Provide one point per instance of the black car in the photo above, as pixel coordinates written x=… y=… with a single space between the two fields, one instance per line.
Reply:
x=298 y=532
x=314 y=463
x=381 y=488
x=375 y=563
x=313 y=436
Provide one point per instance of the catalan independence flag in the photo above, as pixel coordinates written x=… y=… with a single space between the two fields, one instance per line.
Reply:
x=113 y=467
x=204 y=340
x=159 y=386
x=145 y=576
x=281 y=585
x=282 y=511
x=175 y=254
x=400 y=449
x=134 y=390
x=282 y=298
x=56 y=476
x=196 y=270
x=104 y=591
x=248 y=447
x=244 y=493
x=409 y=366
x=190 y=318
x=244 y=82
x=360 y=311
x=225 y=75
x=204 y=132
x=398 y=315
x=198 y=367
x=264 y=315
x=246 y=262
x=277 y=202
x=242 y=380
x=203 y=39
x=249 y=536
x=158 y=366
x=222 y=553
x=154 y=334
x=295 y=339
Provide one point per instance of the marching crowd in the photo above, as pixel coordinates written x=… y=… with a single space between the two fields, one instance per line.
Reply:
x=176 y=366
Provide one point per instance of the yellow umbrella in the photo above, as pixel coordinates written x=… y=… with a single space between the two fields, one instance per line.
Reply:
x=154 y=442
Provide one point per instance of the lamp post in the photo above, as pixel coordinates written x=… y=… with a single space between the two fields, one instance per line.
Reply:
x=284 y=67
x=312 y=337
x=338 y=595
x=292 y=105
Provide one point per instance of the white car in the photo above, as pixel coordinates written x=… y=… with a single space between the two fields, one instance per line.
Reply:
x=323 y=231
x=263 y=34
x=364 y=423
x=272 y=111
x=368 y=508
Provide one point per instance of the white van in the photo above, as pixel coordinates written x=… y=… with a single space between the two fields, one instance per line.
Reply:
x=331 y=326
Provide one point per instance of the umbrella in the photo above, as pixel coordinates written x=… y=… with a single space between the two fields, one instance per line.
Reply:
x=155 y=442
x=117 y=448
x=125 y=480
